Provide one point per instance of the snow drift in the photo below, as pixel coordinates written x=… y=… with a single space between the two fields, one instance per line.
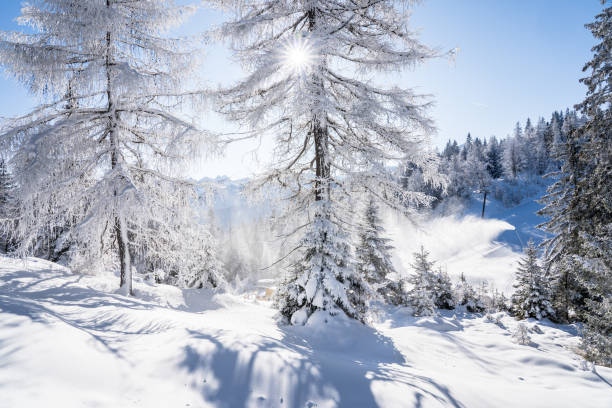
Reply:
x=68 y=340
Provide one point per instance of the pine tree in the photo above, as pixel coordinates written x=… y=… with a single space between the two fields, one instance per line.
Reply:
x=513 y=159
x=421 y=296
x=443 y=290
x=578 y=204
x=323 y=278
x=597 y=278
x=467 y=147
x=591 y=209
x=101 y=158
x=543 y=137
x=374 y=258
x=569 y=294
x=494 y=159
x=532 y=296
x=8 y=207
x=309 y=89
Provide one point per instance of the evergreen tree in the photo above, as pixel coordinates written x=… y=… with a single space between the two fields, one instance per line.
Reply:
x=521 y=335
x=494 y=159
x=323 y=278
x=513 y=159
x=8 y=207
x=307 y=88
x=532 y=297
x=529 y=149
x=443 y=290
x=597 y=278
x=467 y=147
x=421 y=296
x=543 y=137
x=450 y=149
x=591 y=209
x=374 y=258
x=557 y=139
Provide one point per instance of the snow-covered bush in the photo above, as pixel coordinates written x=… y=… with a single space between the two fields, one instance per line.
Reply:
x=521 y=335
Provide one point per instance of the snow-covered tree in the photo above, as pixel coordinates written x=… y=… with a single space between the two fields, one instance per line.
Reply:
x=324 y=278
x=578 y=204
x=374 y=258
x=499 y=301
x=513 y=160
x=421 y=296
x=494 y=159
x=466 y=296
x=443 y=290
x=532 y=296
x=590 y=211
x=521 y=335
x=560 y=210
x=477 y=173
x=543 y=139
x=310 y=88
x=8 y=207
x=597 y=278
x=100 y=157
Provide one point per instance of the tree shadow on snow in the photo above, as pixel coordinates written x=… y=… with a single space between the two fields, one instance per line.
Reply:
x=102 y=316
x=306 y=368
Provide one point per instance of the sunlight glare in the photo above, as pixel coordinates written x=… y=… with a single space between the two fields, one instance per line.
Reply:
x=298 y=55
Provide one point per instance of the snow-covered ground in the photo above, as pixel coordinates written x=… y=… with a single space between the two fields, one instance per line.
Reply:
x=67 y=340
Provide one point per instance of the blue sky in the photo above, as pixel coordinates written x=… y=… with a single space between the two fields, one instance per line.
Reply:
x=516 y=59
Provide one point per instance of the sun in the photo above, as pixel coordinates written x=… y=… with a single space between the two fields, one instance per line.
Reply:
x=298 y=55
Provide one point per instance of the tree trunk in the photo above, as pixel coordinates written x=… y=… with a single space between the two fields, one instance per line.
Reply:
x=320 y=135
x=322 y=165
x=125 y=282
x=484 y=203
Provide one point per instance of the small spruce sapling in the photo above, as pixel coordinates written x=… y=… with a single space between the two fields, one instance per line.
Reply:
x=532 y=297
x=374 y=258
x=421 y=296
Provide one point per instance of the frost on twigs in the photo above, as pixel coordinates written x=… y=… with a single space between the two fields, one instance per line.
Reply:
x=99 y=164
x=336 y=132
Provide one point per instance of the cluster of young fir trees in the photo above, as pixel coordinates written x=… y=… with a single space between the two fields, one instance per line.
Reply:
x=96 y=169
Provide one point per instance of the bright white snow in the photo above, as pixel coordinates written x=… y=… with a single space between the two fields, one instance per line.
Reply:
x=67 y=340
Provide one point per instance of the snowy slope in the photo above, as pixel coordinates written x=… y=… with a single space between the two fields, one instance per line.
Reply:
x=68 y=341
x=482 y=249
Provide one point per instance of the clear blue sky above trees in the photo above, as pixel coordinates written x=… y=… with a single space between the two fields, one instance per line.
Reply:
x=516 y=59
